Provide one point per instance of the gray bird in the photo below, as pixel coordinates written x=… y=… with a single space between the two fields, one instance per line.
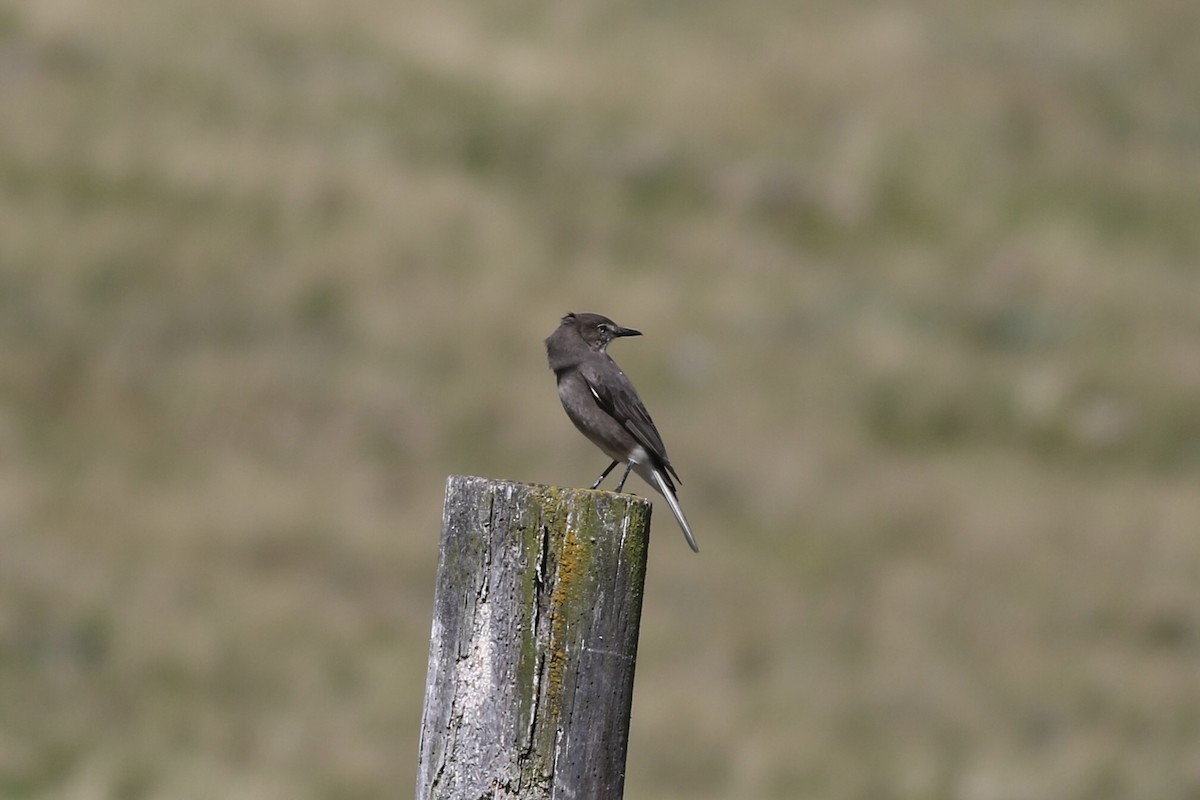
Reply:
x=606 y=408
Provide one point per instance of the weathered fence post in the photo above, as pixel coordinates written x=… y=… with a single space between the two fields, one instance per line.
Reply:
x=535 y=629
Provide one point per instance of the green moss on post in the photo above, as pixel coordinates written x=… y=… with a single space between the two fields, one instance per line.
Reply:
x=535 y=627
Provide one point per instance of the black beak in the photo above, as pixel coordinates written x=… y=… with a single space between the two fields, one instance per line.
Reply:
x=625 y=332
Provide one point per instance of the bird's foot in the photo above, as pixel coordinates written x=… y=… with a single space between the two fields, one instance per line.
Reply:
x=604 y=475
x=621 y=485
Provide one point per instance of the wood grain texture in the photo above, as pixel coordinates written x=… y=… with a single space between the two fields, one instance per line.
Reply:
x=534 y=642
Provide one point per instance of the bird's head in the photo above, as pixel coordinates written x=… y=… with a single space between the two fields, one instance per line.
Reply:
x=596 y=330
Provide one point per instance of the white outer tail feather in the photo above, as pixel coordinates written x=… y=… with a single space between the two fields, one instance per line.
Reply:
x=664 y=489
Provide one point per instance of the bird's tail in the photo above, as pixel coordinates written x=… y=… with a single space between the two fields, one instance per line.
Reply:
x=663 y=485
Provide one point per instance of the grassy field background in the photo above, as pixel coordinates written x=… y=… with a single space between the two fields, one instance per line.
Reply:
x=920 y=285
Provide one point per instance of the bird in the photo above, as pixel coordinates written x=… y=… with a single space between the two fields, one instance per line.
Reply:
x=605 y=407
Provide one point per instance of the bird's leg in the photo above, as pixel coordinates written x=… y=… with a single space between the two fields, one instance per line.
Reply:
x=621 y=485
x=604 y=475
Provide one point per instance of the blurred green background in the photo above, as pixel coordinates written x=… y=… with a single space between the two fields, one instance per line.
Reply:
x=920 y=285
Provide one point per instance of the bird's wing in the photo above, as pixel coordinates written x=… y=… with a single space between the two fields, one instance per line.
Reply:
x=616 y=396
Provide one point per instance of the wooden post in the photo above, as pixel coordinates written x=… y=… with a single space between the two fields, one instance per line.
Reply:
x=535 y=628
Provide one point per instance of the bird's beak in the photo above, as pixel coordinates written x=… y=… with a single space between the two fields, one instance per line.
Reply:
x=626 y=332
